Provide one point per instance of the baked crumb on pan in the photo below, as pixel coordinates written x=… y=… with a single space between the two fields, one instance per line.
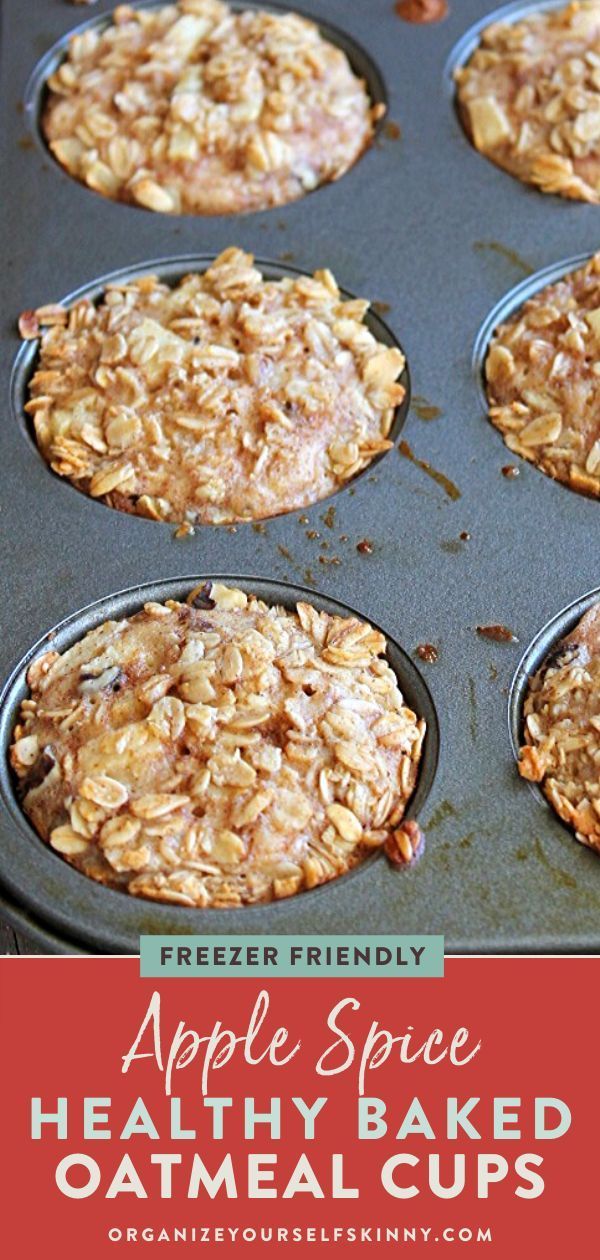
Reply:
x=228 y=397
x=193 y=108
x=529 y=98
x=543 y=379
x=562 y=729
x=218 y=752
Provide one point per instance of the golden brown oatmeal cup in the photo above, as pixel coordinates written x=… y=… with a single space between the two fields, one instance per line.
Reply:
x=529 y=98
x=219 y=752
x=227 y=397
x=561 y=751
x=195 y=108
x=543 y=379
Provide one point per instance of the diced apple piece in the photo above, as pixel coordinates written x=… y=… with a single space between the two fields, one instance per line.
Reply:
x=489 y=122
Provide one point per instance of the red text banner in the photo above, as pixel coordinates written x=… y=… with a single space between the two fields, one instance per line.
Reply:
x=150 y=1116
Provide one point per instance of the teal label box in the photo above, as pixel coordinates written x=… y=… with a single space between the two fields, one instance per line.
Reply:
x=401 y=957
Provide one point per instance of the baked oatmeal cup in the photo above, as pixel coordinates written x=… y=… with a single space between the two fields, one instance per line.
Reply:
x=195 y=108
x=219 y=752
x=543 y=379
x=529 y=98
x=562 y=729
x=227 y=397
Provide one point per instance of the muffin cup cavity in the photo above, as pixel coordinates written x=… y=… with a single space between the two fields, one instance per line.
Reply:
x=106 y=920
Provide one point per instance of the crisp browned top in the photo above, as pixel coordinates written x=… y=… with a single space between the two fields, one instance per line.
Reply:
x=543 y=379
x=562 y=729
x=228 y=397
x=530 y=98
x=218 y=755
x=193 y=108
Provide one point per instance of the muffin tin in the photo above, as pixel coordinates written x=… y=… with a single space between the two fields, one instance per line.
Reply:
x=426 y=227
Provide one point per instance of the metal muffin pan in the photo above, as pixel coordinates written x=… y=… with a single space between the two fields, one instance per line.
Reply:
x=170 y=271
x=111 y=921
x=33 y=933
x=428 y=227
